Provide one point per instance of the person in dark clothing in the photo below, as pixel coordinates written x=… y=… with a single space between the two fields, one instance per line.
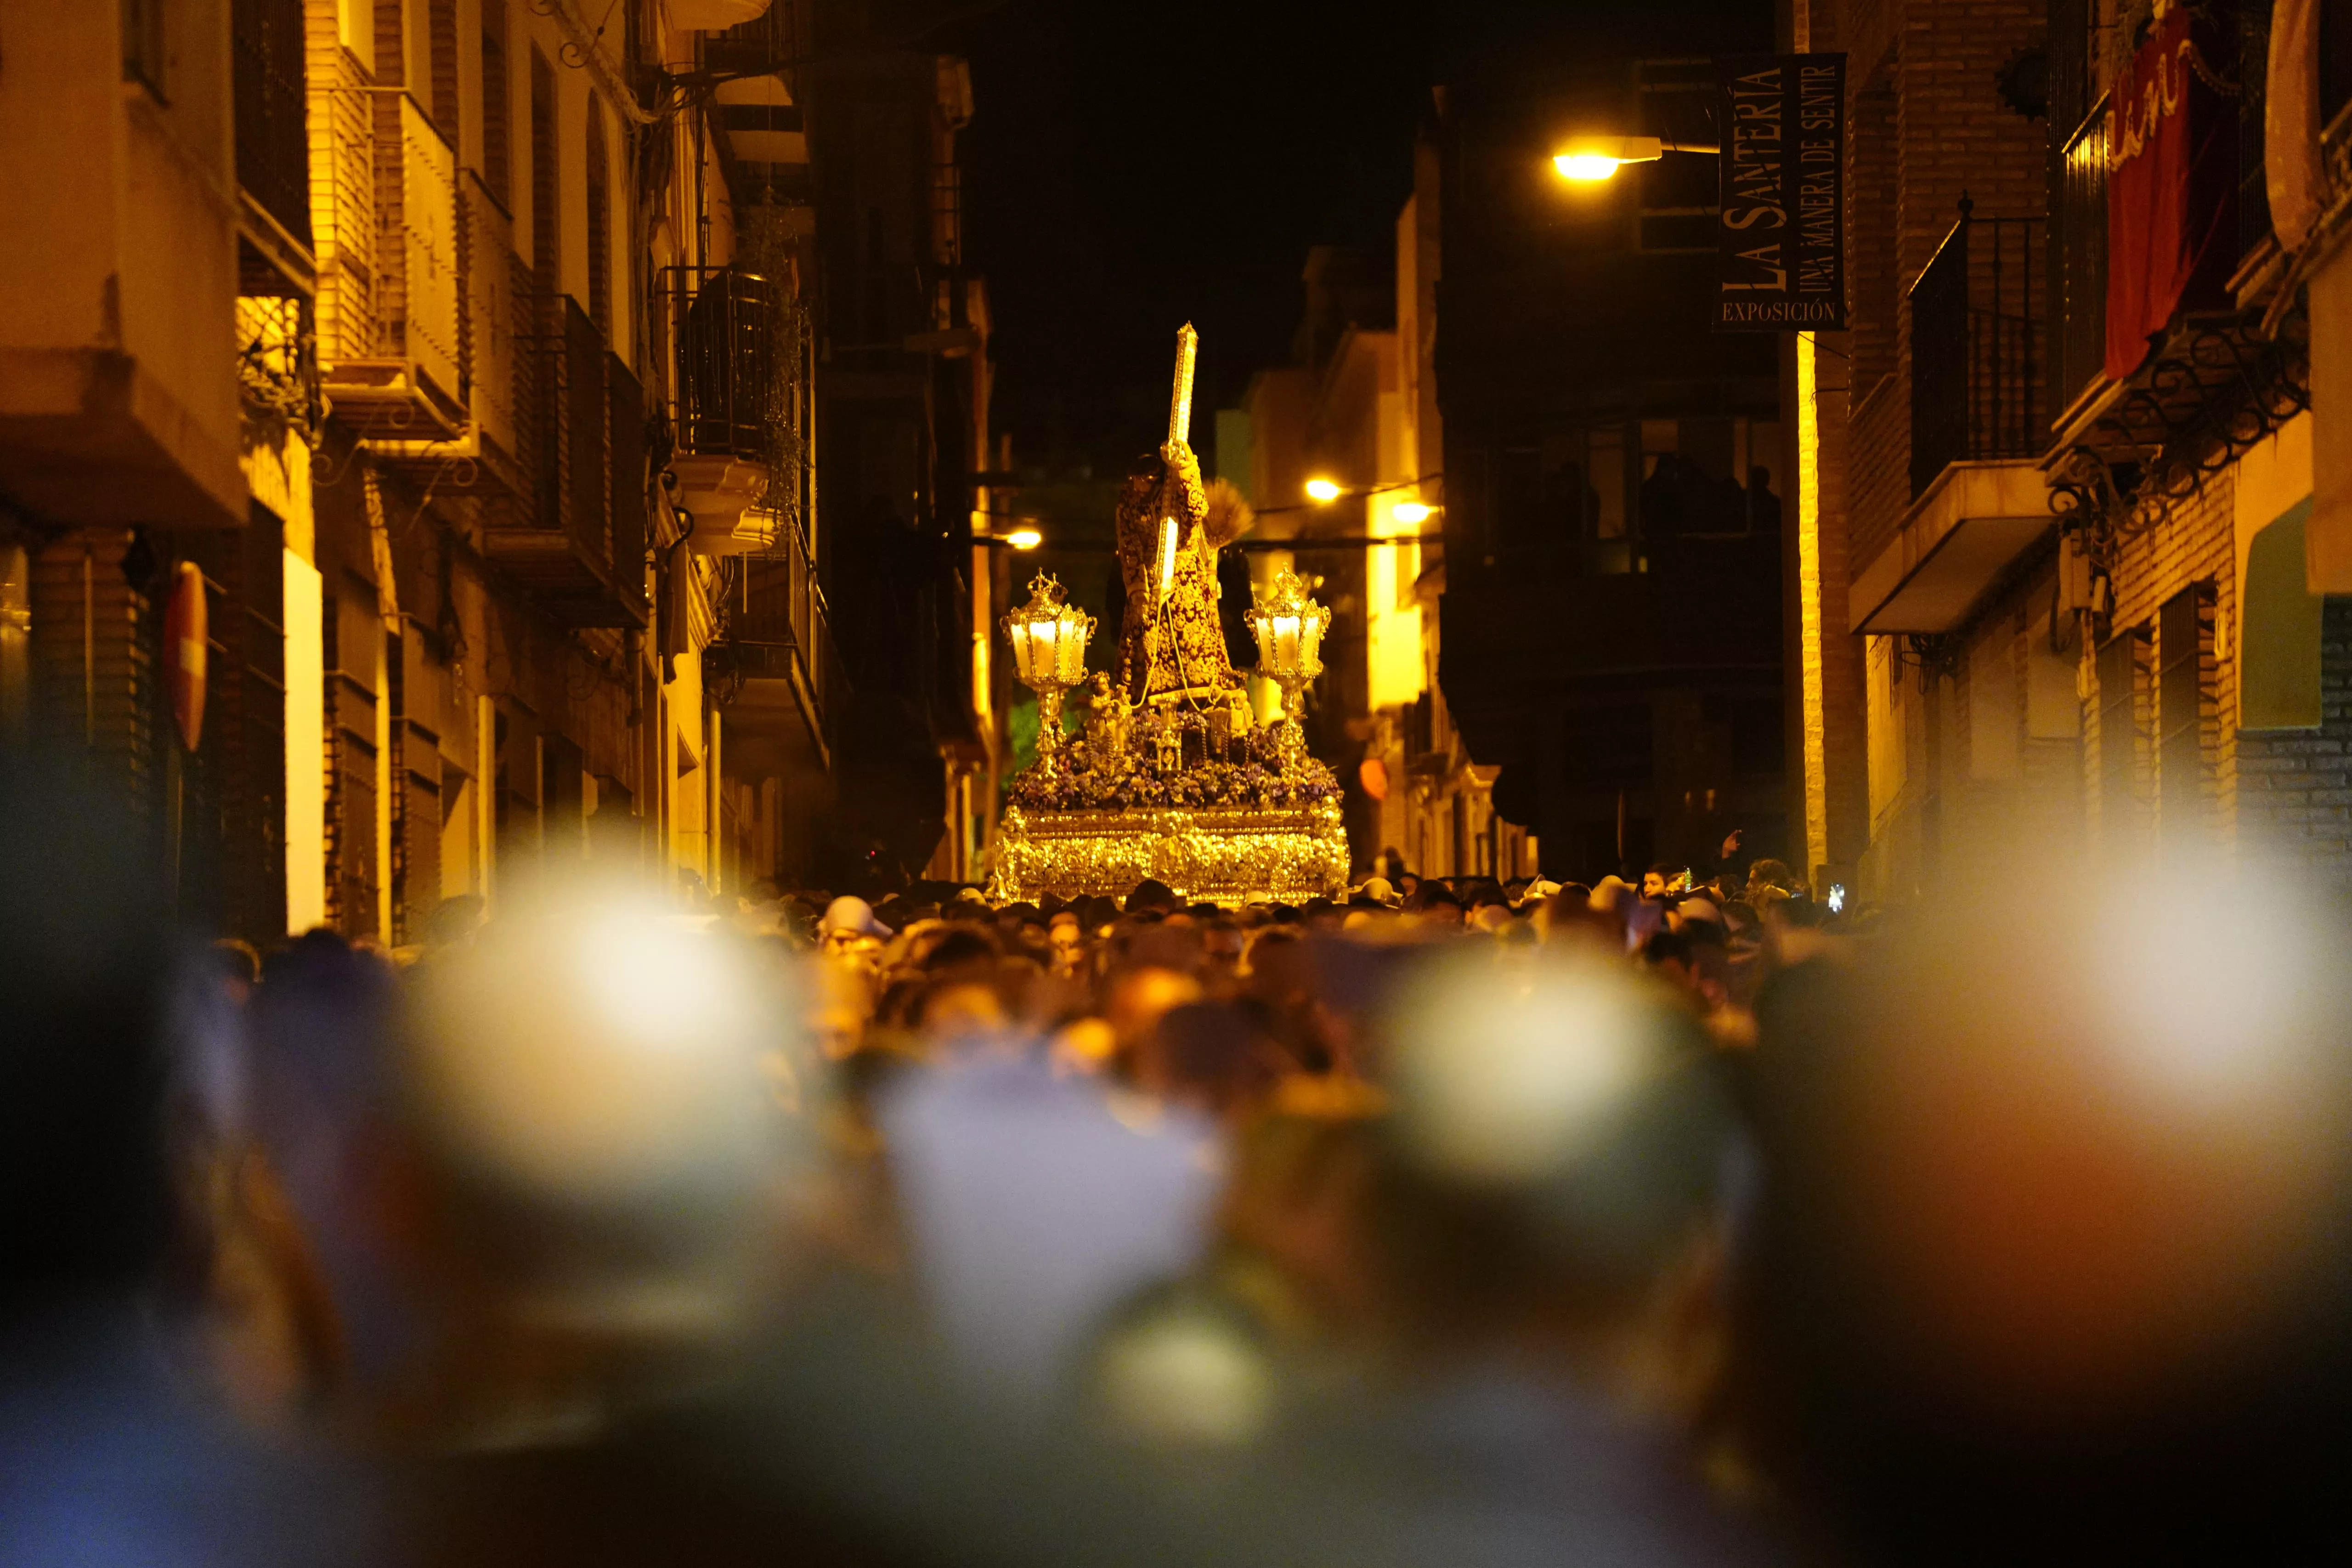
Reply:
x=1234 y=599
x=2027 y=1286
x=106 y=1455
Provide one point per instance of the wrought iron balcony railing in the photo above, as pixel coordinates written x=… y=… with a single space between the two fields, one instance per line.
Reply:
x=388 y=320
x=1978 y=360
x=575 y=537
x=769 y=42
x=273 y=149
x=775 y=625
x=727 y=328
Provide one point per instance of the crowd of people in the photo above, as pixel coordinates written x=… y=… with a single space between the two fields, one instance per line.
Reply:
x=1058 y=966
x=1445 y=1221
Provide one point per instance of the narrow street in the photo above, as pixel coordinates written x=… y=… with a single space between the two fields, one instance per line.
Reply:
x=902 y=782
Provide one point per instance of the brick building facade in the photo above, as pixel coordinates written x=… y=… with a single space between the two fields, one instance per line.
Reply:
x=2047 y=601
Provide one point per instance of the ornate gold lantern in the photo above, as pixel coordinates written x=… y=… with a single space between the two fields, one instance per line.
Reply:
x=1049 y=653
x=1289 y=626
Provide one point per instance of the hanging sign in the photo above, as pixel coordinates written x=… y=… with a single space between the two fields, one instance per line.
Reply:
x=2172 y=187
x=1782 y=222
x=186 y=652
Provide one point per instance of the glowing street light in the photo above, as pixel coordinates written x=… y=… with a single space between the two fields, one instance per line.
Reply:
x=1025 y=539
x=1586 y=166
x=1323 y=493
x=1589 y=159
x=1413 y=512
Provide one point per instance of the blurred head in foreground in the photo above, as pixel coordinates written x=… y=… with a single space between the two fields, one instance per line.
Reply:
x=86 y=1204
x=2055 y=1253
x=594 y=1088
x=108 y=1451
x=1550 y=1174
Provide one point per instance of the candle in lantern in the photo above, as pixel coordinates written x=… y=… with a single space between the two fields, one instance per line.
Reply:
x=1285 y=642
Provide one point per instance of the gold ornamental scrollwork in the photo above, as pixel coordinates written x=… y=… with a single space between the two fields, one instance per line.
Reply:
x=1220 y=855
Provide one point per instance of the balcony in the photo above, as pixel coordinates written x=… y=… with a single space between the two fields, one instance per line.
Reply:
x=2230 y=367
x=760 y=45
x=574 y=538
x=120 y=270
x=436 y=349
x=1980 y=384
x=474 y=448
x=774 y=662
x=735 y=424
x=273 y=150
x=1955 y=546
x=391 y=346
x=1979 y=364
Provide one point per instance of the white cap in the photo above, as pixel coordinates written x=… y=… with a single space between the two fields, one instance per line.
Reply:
x=848 y=913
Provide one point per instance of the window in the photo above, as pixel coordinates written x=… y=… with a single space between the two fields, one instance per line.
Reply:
x=1889 y=723
x=16 y=646
x=1871 y=201
x=1612 y=744
x=1679 y=194
x=2080 y=232
x=2074 y=64
x=2119 y=739
x=142 y=44
x=547 y=275
x=497 y=162
x=273 y=149
x=1565 y=491
x=2334 y=58
x=599 y=224
x=1605 y=475
x=2184 y=640
x=1758 y=730
x=391 y=43
x=877 y=271
x=2250 y=70
x=441 y=62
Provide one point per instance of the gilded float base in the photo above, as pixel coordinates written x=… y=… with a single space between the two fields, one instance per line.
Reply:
x=1223 y=855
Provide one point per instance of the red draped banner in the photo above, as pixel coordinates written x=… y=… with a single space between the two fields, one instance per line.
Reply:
x=2172 y=177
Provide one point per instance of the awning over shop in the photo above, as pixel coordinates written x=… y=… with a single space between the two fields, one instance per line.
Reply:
x=1973 y=523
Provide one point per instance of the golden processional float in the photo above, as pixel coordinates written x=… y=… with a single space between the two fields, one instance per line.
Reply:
x=1172 y=778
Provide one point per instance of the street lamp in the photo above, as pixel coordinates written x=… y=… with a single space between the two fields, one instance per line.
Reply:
x=1412 y=512
x=1593 y=158
x=1025 y=539
x=1049 y=653
x=1289 y=627
x=1322 y=491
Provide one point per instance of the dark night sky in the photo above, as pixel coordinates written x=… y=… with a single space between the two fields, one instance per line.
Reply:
x=1133 y=165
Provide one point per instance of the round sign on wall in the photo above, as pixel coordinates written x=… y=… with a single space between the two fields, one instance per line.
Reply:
x=186 y=652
